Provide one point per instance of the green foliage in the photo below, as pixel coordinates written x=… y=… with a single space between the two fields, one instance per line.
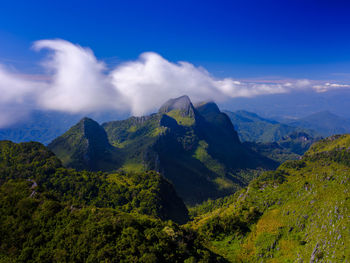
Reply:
x=269 y=138
x=296 y=213
x=181 y=117
x=44 y=230
x=86 y=146
x=253 y=128
x=196 y=148
x=52 y=214
x=146 y=193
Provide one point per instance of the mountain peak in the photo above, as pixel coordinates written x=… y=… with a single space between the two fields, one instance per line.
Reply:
x=85 y=146
x=182 y=103
x=207 y=107
x=90 y=127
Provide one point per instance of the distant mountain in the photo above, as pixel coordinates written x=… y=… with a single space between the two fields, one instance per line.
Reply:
x=298 y=213
x=253 y=128
x=40 y=126
x=270 y=138
x=297 y=103
x=325 y=123
x=290 y=147
x=44 y=126
x=195 y=147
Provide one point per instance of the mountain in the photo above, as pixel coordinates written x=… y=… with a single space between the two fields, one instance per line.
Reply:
x=253 y=128
x=39 y=126
x=86 y=146
x=325 y=123
x=52 y=214
x=290 y=147
x=295 y=104
x=195 y=147
x=44 y=126
x=270 y=138
x=298 y=213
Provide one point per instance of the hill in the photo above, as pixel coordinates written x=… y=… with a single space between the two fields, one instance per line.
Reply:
x=86 y=146
x=195 y=147
x=270 y=138
x=145 y=193
x=325 y=123
x=300 y=212
x=52 y=214
x=290 y=147
x=253 y=128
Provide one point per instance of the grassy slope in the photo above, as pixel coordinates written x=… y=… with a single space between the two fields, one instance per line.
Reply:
x=301 y=211
x=200 y=157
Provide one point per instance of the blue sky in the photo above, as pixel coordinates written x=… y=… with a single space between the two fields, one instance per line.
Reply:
x=241 y=39
x=129 y=57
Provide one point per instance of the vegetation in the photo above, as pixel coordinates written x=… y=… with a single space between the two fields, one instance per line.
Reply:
x=86 y=146
x=277 y=141
x=195 y=147
x=40 y=229
x=253 y=128
x=300 y=212
x=290 y=147
x=52 y=214
x=145 y=193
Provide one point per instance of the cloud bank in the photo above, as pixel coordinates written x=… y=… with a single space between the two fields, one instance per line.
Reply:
x=77 y=82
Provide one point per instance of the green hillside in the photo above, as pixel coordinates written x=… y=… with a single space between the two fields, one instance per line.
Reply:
x=194 y=147
x=290 y=147
x=253 y=128
x=270 y=138
x=86 y=146
x=298 y=213
x=145 y=193
x=52 y=214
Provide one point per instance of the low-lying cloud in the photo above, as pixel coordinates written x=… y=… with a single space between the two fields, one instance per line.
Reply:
x=77 y=82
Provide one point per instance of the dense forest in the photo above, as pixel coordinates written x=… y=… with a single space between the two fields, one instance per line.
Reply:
x=53 y=214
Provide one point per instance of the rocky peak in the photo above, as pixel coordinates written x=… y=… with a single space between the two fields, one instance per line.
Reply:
x=182 y=103
x=209 y=107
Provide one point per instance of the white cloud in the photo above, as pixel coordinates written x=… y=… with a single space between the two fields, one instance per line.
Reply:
x=17 y=96
x=151 y=80
x=78 y=82
x=329 y=86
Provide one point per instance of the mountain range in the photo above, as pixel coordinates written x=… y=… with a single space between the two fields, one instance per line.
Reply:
x=270 y=138
x=297 y=213
x=254 y=128
x=325 y=123
x=194 y=146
